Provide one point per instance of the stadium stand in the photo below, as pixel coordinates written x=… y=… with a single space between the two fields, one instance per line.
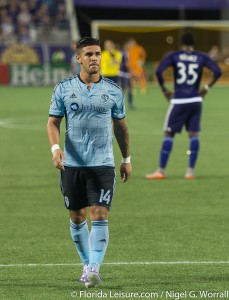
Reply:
x=30 y=21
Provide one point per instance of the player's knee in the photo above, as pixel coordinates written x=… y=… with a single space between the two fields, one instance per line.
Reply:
x=78 y=216
x=191 y=133
x=169 y=133
x=98 y=213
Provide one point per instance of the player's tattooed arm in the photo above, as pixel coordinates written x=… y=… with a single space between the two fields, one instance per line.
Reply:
x=122 y=136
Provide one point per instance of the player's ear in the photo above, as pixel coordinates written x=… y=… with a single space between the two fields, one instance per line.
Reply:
x=78 y=58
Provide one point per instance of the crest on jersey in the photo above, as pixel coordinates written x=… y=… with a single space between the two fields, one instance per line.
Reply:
x=74 y=106
x=105 y=97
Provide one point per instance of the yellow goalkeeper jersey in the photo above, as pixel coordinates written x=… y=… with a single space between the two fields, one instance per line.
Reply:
x=110 y=63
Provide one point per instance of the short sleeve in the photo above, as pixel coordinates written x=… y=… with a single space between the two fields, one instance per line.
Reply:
x=118 y=110
x=57 y=107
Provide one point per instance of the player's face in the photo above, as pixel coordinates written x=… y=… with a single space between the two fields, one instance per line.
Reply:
x=90 y=59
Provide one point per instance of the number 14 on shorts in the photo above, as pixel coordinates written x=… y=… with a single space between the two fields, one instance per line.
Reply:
x=105 y=196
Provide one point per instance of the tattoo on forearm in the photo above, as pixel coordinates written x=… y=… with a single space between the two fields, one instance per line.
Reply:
x=122 y=136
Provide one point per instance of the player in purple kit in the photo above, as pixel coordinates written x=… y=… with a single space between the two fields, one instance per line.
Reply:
x=185 y=102
x=125 y=74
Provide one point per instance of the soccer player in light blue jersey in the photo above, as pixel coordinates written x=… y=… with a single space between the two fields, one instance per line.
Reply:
x=92 y=106
x=186 y=101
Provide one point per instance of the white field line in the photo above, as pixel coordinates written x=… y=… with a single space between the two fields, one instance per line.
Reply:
x=12 y=124
x=26 y=123
x=138 y=263
x=16 y=124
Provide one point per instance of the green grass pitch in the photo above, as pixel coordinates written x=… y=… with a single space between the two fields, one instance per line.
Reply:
x=154 y=225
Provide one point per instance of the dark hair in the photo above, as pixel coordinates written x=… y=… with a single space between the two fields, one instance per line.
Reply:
x=87 y=41
x=187 y=39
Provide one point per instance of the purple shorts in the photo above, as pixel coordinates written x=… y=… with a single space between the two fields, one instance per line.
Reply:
x=178 y=115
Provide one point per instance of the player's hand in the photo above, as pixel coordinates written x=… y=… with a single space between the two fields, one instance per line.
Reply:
x=58 y=159
x=140 y=62
x=168 y=95
x=203 y=92
x=125 y=171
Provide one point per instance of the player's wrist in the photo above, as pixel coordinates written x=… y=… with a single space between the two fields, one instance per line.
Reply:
x=54 y=148
x=206 y=87
x=126 y=160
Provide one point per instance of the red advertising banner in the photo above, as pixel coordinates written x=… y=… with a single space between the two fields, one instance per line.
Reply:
x=4 y=74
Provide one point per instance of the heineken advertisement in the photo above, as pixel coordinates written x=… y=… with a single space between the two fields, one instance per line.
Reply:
x=22 y=75
x=34 y=65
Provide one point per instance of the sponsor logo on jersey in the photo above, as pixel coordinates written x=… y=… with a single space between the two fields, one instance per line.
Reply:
x=105 y=97
x=93 y=107
x=74 y=106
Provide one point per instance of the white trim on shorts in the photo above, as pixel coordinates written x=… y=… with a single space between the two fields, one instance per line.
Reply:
x=186 y=100
x=165 y=127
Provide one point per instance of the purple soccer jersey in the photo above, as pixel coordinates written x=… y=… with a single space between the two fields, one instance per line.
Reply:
x=187 y=69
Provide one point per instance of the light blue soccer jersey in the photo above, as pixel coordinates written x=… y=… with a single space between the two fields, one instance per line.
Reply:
x=88 y=113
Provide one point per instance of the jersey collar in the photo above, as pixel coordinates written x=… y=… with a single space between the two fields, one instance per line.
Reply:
x=100 y=78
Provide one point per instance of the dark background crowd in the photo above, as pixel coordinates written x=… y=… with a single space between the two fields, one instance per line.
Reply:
x=24 y=19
